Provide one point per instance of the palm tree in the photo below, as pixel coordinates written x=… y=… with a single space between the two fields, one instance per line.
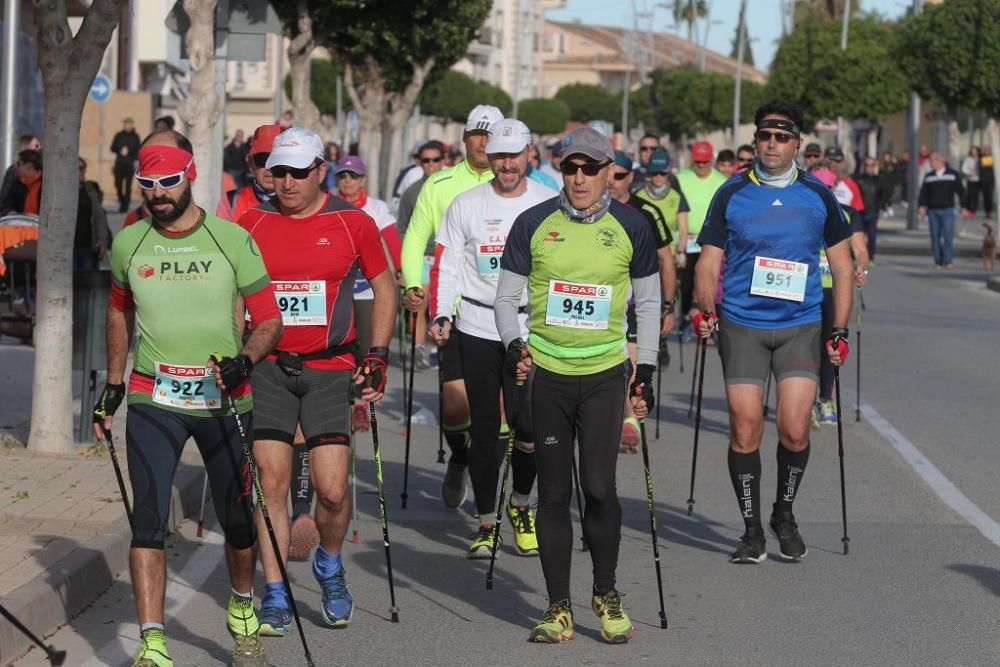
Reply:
x=689 y=11
x=823 y=10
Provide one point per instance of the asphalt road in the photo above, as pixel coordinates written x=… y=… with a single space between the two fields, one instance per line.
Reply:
x=920 y=585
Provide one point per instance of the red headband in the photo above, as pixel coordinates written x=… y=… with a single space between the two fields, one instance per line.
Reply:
x=166 y=160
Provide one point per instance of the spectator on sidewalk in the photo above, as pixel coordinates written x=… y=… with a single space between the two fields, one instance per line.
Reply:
x=941 y=186
x=903 y=173
x=11 y=189
x=125 y=146
x=30 y=169
x=873 y=195
x=163 y=123
x=887 y=171
x=234 y=157
x=91 y=239
x=987 y=180
x=970 y=172
x=332 y=158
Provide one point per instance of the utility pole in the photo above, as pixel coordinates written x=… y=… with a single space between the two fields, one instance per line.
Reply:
x=8 y=99
x=843 y=47
x=913 y=145
x=741 y=44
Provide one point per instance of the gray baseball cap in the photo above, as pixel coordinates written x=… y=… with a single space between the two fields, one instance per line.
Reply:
x=588 y=142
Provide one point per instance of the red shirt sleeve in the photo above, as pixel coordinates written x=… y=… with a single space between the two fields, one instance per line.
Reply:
x=368 y=244
x=391 y=237
x=121 y=298
x=262 y=305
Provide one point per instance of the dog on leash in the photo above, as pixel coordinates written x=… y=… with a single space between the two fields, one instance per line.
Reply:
x=989 y=248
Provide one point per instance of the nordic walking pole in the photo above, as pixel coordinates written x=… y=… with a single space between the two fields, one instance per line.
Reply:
x=767 y=393
x=252 y=470
x=118 y=474
x=652 y=522
x=409 y=406
x=393 y=610
x=402 y=341
x=694 y=374
x=440 y=411
x=840 y=449
x=659 y=385
x=201 y=514
x=857 y=407
x=579 y=502
x=697 y=422
x=503 y=485
x=680 y=347
x=55 y=657
x=354 y=490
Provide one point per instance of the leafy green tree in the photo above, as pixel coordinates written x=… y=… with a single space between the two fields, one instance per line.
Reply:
x=323 y=75
x=387 y=54
x=734 y=51
x=543 y=116
x=865 y=81
x=641 y=110
x=452 y=94
x=588 y=102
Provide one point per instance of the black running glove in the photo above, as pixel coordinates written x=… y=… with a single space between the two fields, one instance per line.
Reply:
x=644 y=380
x=515 y=353
x=234 y=370
x=108 y=403
x=375 y=366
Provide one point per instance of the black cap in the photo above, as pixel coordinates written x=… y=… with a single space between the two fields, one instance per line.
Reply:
x=834 y=153
x=813 y=149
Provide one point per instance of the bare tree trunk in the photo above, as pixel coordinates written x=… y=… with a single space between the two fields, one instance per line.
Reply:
x=382 y=118
x=68 y=67
x=993 y=136
x=201 y=109
x=299 y=53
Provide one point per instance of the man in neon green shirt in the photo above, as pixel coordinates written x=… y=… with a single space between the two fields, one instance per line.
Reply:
x=699 y=184
x=435 y=197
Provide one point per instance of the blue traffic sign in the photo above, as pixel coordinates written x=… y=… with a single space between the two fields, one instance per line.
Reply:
x=100 y=90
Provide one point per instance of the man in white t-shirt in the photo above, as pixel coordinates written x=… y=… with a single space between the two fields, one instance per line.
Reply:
x=469 y=246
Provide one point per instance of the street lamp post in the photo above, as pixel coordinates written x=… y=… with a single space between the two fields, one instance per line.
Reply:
x=912 y=143
x=8 y=108
x=741 y=44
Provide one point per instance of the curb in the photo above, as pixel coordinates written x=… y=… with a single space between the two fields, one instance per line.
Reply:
x=993 y=283
x=57 y=596
x=921 y=251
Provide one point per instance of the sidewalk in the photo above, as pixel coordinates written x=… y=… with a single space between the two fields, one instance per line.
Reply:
x=895 y=239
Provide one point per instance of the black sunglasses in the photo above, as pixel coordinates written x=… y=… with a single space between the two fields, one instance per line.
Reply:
x=589 y=168
x=348 y=174
x=645 y=149
x=764 y=136
x=428 y=160
x=620 y=175
x=659 y=173
x=297 y=173
x=260 y=160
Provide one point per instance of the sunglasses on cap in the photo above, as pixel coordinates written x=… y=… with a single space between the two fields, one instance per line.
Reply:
x=165 y=182
x=280 y=171
x=764 y=136
x=429 y=160
x=260 y=160
x=589 y=168
x=348 y=175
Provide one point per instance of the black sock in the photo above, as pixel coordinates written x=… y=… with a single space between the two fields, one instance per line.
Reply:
x=744 y=471
x=458 y=442
x=524 y=471
x=791 y=467
x=302 y=488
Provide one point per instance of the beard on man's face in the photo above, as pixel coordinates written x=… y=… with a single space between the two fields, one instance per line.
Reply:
x=178 y=206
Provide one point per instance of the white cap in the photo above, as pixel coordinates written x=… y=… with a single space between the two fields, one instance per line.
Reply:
x=296 y=147
x=508 y=136
x=482 y=118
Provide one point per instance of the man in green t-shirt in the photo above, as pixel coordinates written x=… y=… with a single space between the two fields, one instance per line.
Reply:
x=699 y=183
x=178 y=275
x=578 y=255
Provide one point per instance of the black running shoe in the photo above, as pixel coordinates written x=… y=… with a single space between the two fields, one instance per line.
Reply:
x=790 y=544
x=752 y=547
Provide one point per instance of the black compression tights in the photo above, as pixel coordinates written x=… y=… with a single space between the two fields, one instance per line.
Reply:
x=589 y=410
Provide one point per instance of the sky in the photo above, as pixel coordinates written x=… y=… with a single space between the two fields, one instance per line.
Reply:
x=763 y=20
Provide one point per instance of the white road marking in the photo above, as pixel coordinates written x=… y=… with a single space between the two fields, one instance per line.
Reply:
x=181 y=587
x=941 y=485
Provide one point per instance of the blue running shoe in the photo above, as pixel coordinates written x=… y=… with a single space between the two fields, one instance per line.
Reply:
x=338 y=605
x=275 y=621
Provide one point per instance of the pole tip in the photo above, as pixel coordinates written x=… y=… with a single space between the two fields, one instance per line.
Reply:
x=394 y=614
x=354 y=538
x=690 y=507
x=489 y=584
x=56 y=658
x=663 y=623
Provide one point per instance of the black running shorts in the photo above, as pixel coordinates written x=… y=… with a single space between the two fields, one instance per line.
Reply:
x=450 y=358
x=155 y=438
x=749 y=355
x=316 y=399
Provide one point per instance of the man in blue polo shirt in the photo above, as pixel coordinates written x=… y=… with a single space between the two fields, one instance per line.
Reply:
x=770 y=225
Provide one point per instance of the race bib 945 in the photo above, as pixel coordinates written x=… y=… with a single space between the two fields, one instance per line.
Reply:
x=578 y=305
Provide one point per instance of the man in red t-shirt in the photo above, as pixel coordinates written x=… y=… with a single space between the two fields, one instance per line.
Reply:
x=313 y=245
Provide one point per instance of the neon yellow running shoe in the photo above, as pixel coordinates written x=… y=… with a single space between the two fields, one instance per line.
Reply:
x=240 y=617
x=153 y=652
x=556 y=624
x=523 y=520
x=616 y=628
x=482 y=543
